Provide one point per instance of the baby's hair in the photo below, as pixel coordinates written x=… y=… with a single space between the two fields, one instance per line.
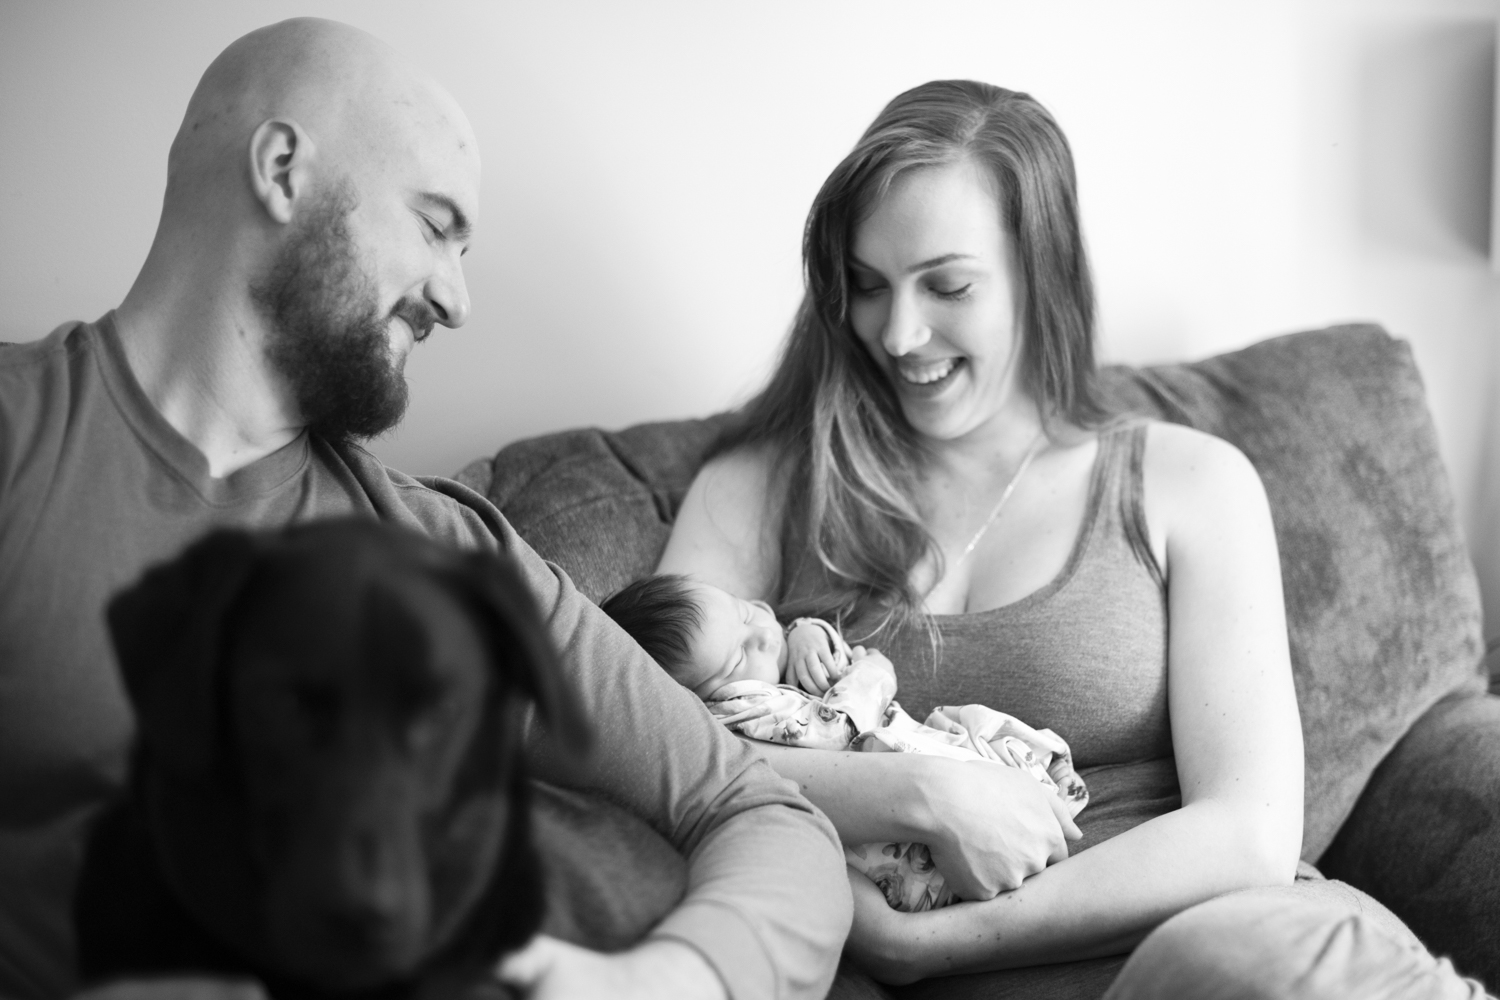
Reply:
x=661 y=615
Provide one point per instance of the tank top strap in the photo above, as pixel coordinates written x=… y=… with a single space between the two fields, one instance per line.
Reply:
x=1119 y=498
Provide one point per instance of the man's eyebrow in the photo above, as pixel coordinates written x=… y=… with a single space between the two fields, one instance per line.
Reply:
x=458 y=228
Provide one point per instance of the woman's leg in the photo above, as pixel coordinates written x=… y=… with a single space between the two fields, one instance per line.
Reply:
x=1314 y=939
x=1065 y=981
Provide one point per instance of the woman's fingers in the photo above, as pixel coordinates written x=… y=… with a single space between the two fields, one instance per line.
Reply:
x=996 y=826
x=1064 y=818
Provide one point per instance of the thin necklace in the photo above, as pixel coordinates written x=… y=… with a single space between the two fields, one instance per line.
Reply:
x=1010 y=487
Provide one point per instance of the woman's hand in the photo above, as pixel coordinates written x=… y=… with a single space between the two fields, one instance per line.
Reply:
x=995 y=826
x=879 y=941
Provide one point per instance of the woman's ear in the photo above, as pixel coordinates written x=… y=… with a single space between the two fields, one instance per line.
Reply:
x=281 y=153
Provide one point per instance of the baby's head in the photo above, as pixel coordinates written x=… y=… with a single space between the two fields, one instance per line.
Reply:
x=703 y=636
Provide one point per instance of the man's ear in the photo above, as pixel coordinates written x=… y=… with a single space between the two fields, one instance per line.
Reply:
x=168 y=633
x=522 y=651
x=280 y=155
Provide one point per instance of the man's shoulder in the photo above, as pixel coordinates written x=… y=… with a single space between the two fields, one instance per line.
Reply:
x=440 y=507
x=20 y=362
x=41 y=381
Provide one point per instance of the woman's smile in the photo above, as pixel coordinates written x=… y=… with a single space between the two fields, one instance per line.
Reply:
x=927 y=374
x=933 y=298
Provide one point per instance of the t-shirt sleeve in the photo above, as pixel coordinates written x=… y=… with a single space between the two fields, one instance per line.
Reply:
x=768 y=902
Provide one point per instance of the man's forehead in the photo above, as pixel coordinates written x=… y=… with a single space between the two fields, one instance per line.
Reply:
x=432 y=153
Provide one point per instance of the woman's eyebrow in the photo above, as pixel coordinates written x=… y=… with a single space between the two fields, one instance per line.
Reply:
x=946 y=258
x=925 y=265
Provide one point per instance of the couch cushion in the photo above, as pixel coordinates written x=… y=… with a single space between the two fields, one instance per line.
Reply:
x=1382 y=605
x=598 y=503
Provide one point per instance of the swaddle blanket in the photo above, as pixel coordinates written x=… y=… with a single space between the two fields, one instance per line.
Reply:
x=859 y=713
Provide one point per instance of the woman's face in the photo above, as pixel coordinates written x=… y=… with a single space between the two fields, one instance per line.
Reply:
x=934 y=299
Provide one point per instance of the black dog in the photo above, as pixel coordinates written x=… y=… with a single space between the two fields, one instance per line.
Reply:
x=327 y=791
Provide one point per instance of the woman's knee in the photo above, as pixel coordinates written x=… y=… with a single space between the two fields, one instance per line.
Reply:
x=1265 y=943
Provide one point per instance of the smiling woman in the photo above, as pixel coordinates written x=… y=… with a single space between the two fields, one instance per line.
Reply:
x=930 y=468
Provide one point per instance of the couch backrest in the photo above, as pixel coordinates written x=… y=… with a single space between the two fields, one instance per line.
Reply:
x=1382 y=605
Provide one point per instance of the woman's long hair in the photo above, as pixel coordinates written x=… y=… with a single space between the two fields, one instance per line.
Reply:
x=845 y=458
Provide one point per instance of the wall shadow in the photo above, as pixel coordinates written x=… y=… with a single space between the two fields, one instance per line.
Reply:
x=1426 y=125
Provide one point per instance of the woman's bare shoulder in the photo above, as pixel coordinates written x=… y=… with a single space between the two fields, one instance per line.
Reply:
x=725 y=531
x=1189 y=462
x=1196 y=482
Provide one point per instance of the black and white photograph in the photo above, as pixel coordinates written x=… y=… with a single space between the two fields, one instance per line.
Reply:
x=689 y=500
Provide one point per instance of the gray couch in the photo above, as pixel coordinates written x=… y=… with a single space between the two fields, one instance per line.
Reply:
x=1403 y=738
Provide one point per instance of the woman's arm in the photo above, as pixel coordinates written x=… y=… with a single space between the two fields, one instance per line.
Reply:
x=988 y=826
x=725 y=531
x=1235 y=732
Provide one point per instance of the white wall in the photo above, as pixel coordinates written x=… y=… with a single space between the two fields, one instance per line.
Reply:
x=1247 y=167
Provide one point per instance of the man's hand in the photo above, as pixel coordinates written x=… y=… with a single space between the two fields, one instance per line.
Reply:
x=549 y=969
x=810 y=662
x=176 y=988
x=994 y=826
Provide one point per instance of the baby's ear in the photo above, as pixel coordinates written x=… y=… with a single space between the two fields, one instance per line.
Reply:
x=168 y=630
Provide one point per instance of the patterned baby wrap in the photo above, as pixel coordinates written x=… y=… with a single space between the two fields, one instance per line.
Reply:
x=859 y=712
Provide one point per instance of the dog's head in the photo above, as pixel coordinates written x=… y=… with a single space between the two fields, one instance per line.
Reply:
x=330 y=728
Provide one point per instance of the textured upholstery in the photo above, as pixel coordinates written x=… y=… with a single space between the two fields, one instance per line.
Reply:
x=1424 y=837
x=598 y=503
x=1382 y=605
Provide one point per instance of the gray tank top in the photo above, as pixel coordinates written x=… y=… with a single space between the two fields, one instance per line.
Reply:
x=1084 y=656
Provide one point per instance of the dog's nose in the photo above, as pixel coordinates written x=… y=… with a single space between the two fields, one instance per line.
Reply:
x=375 y=891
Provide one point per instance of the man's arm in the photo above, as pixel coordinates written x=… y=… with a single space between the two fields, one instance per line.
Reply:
x=768 y=904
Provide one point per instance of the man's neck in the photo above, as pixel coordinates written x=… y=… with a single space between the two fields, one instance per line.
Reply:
x=202 y=364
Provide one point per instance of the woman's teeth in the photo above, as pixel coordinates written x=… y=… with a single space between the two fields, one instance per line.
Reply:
x=926 y=374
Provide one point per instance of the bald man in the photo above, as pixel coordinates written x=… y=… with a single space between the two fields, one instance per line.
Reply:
x=320 y=195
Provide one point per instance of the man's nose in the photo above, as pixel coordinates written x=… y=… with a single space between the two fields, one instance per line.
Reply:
x=448 y=293
x=906 y=328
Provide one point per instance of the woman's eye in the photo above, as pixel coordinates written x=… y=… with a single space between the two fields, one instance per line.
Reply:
x=865 y=286
x=953 y=294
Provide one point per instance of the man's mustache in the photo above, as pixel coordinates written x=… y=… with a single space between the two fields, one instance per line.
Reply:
x=418 y=315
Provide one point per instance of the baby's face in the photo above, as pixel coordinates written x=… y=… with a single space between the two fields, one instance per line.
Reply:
x=740 y=641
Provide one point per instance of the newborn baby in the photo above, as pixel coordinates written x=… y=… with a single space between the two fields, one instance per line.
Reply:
x=805 y=686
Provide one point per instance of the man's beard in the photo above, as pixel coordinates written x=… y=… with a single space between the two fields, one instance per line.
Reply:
x=328 y=339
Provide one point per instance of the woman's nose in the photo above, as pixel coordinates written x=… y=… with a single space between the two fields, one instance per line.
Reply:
x=906 y=328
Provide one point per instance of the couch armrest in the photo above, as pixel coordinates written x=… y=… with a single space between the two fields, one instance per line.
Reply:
x=1424 y=837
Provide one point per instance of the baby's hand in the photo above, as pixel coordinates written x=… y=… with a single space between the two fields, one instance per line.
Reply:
x=810 y=663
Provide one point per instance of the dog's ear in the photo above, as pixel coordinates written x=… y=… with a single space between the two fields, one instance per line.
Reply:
x=518 y=637
x=167 y=632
